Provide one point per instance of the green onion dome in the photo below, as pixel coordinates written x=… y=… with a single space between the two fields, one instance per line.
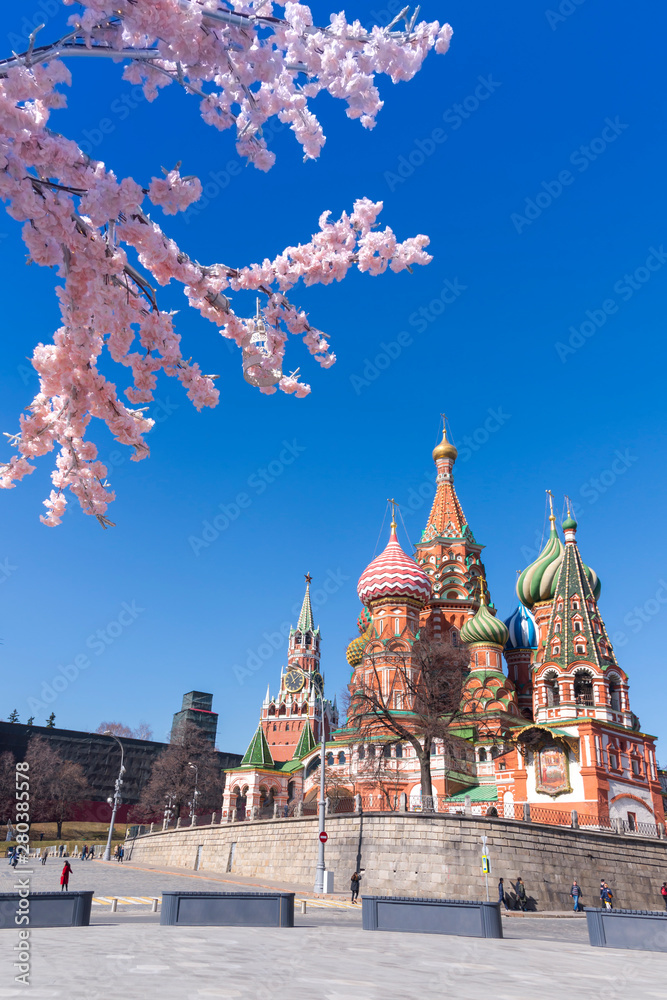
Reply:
x=569 y=524
x=538 y=581
x=485 y=627
x=364 y=620
x=355 y=651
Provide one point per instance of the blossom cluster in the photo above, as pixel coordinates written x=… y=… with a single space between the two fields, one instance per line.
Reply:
x=245 y=64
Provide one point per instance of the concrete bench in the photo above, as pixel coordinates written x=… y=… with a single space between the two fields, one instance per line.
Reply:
x=46 y=909
x=634 y=930
x=466 y=918
x=237 y=909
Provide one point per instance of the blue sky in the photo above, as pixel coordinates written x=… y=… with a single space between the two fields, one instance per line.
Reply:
x=543 y=194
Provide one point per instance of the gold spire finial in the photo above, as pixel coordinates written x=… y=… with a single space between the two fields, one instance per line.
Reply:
x=552 y=516
x=568 y=502
x=444 y=449
x=394 y=505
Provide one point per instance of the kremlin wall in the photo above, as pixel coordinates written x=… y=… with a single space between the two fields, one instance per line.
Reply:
x=413 y=854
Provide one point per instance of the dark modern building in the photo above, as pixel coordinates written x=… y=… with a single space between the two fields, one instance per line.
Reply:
x=197 y=709
x=99 y=756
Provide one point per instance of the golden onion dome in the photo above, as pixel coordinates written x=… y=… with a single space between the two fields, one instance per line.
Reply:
x=445 y=449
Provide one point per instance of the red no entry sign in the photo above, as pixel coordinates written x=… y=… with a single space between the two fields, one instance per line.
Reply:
x=324 y=837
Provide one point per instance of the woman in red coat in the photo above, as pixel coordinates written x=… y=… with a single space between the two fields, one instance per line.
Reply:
x=64 y=876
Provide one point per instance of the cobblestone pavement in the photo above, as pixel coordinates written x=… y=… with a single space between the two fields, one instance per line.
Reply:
x=326 y=956
x=323 y=961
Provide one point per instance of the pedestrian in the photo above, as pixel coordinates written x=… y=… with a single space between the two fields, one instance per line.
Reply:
x=354 y=885
x=64 y=876
x=84 y=852
x=663 y=892
x=606 y=896
x=10 y=855
x=41 y=836
x=91 y=853
x=501 y=894
x=61 y=850
x=520 y=891
x=575 y=892
x=121 y=853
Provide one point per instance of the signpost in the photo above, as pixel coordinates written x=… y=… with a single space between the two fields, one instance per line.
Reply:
x=486 y=866
x=324 y=836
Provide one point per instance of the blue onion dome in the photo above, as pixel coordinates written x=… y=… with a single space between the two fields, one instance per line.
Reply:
x=522 y=629
x=485 y=627
x=538 y=581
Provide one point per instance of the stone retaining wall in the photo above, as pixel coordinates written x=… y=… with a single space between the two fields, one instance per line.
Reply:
x=412 y=854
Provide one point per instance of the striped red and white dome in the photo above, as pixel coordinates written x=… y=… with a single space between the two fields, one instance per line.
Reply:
x=393 y=574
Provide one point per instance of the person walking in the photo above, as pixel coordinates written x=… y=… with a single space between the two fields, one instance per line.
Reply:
x=663 y=893
x=84 y=852
x=606 y=896
x=45 y=854
x=520 y=891
x=64 y=876
x=501 y=894
x=575 y=892
x=121 y=853
x=354 y=885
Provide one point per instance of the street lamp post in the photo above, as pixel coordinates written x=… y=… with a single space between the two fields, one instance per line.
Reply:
x=193 y=810
x=115 y=801
x=319 y=871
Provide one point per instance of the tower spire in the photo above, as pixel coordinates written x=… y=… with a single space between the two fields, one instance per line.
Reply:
x=305 y=622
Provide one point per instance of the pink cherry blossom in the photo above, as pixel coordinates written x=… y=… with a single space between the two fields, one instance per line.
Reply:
x=244 y=65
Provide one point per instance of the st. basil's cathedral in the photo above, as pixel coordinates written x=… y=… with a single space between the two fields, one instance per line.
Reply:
x=550 y=728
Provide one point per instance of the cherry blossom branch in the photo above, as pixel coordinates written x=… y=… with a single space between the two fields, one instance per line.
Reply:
x=111 y=256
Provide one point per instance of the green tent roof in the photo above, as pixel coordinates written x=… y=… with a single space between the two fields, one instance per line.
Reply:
x=478 y=793
x=306 y=741
x=258 y=752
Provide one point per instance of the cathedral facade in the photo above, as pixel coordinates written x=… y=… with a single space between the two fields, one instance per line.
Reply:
x=544 y=718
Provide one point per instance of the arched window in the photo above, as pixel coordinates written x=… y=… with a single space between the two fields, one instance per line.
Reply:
x=330 y=760
x=576 y=626
x=583 y=688
x=290 y=790
x=386 y=750
x=454 y=637
x=371 y=751
x=397 y=626
x=297 y=639
x=399 y=749
x=272 y=709
x=287 y=726
x=275 y=726
x=308 y=639
x=482 y=755
x=494 y=752
x=341 y=757
x=282 y=710
x=552 y=690
x=557 y=627
x=361 y=752
x=614 y=694
x=313 y=766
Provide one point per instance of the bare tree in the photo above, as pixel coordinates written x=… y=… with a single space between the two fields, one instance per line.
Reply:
x=173 y=777
x=142 y=732
x=116 y=728
x=7 y=789
x=415 y=700
x=56 y=785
